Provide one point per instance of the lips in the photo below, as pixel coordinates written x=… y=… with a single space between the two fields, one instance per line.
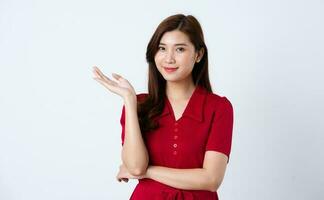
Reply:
x=170 y=69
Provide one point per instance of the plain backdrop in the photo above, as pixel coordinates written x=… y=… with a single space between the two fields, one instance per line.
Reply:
x=60 y=130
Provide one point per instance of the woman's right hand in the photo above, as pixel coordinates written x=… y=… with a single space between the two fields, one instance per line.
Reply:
x=121 y=86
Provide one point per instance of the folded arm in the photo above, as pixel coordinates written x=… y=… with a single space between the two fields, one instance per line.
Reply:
x=134 y=152
x=208 y=178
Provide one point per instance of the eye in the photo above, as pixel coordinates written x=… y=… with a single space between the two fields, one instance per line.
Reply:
x=161 y=48
x=181 y=49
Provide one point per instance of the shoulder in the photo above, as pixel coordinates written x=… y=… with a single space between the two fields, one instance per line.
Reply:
x=141 y=96
x=218 y=102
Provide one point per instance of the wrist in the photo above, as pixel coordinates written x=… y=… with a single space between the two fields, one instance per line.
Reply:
x=148 y=173
x=130 y=100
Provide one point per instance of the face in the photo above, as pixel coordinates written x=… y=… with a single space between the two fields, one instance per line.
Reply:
x=176 y=56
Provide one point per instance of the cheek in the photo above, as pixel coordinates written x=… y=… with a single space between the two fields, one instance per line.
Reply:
x=187 y=58
x=188 y=61
x=156 y=59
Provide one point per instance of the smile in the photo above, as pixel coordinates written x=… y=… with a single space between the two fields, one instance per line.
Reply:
x=170 y=69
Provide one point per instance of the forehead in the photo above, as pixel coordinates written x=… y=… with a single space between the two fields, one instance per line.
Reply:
x=175 y=37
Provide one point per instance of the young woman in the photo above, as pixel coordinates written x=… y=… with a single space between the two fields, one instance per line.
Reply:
x=176 y=139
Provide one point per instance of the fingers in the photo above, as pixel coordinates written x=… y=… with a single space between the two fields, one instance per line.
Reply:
x=118 y=178
x=118 y=85
x=116 y=76
x=99 y=74
x=122 y=179
x=104 y=83
x=97 y=71
x=101 y=78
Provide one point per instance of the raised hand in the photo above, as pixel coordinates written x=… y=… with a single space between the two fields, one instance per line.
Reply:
x=118 y=86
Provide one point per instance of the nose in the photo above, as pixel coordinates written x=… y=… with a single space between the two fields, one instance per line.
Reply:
x=169 y=57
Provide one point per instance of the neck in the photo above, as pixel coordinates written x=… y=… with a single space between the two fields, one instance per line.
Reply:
x=179 y=91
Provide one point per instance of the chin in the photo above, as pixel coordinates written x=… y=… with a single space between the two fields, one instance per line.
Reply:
x=172 y=79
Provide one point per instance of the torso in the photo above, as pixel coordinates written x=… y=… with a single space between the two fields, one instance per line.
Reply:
x=182 y=139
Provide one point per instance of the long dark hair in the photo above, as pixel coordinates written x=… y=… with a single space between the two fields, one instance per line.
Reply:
x=152 y=106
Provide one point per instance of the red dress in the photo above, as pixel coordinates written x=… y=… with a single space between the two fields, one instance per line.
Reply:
x=206 y=124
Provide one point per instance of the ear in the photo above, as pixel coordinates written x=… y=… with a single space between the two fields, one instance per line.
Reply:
x=200 y=54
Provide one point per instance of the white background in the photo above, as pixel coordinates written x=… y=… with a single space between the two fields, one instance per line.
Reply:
x=60 y=130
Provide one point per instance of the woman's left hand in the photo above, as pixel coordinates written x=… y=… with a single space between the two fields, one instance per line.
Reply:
x=124 y=175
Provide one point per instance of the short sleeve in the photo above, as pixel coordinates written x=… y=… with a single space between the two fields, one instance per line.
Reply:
x=220 y=135
x=122 y=123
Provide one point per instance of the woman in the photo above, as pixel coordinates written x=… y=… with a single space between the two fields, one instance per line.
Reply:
x=176 y=139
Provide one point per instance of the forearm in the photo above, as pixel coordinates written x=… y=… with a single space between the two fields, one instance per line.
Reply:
x=134 y=152
x=188 y=179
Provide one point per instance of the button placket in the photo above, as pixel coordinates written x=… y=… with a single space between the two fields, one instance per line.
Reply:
x=175 y=137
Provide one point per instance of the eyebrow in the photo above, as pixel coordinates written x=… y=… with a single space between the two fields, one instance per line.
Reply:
x=178 y=44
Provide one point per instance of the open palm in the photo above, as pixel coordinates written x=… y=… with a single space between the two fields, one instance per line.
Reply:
x=120 y=86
